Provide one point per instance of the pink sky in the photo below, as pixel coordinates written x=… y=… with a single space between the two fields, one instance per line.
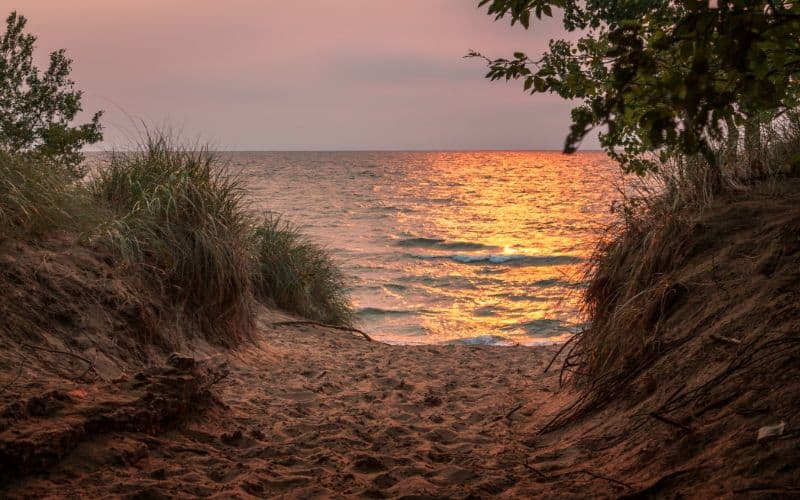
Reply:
x=316 y=74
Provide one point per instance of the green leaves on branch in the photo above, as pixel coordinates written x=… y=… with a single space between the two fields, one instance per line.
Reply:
x=660 y=76
x=37 y=108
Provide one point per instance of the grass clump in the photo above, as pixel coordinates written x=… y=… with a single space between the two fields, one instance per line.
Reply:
x=178 y=216
x=35 y=198
x=629 y=292
x=298 y=275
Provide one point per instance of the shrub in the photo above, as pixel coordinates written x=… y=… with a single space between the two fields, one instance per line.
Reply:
x=179 y=216
x=298 y=275
x=37 y=108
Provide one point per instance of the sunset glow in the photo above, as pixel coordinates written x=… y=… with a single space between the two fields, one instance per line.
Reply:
x=321 y=75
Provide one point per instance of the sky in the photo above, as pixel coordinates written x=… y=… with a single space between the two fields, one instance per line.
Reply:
x=301 y=75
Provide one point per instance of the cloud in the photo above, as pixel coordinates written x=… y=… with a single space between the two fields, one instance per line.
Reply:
x=318 y=74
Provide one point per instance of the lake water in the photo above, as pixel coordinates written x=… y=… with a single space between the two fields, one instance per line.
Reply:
x=473 y=247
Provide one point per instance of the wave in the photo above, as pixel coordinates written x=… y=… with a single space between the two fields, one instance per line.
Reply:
x=377 y=311
x=542 y=328
x=441 y=243
x=486 y=311
x=557 y=283
x=481 y=340
x=494 y=258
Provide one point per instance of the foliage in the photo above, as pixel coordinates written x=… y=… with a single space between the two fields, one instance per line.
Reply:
x=660 y=76
x=179 y=217
x=298 y=275
x=37 y=108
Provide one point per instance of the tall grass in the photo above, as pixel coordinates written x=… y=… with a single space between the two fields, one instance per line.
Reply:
x=298 y=275
x=628 y=289
x=179 y=217
x=36 y=198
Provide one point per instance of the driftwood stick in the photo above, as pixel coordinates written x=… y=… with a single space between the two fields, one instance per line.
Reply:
x=728 y=340
x=513 y=410
x=669 y=421
x=534 y=469
x=317 y=323
x=606 y=478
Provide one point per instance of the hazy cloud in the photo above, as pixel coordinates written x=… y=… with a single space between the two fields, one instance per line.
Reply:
x=318 y=74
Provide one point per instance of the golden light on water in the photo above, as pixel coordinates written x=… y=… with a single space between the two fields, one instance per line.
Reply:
x=450 y=245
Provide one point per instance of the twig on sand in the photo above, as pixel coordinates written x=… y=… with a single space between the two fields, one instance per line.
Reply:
x=534 y=469
x=722 y=338
x=557 y=354
x=316 y=323
x=513 y=410
x=669 y=421
x=14 y=380
x=89 y=362
x=606 y=478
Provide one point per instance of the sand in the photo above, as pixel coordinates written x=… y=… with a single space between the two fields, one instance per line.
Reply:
x=310 y=412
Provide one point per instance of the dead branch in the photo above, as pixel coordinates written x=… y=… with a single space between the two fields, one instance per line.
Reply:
x=553 y=359
x=90 y=363
x=662 y=418
x=606 y=478
x=316 y=323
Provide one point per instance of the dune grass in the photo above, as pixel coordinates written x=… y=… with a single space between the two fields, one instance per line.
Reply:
x=178 y=216
x=298 y=275
x=36 y=198
x=627 y=292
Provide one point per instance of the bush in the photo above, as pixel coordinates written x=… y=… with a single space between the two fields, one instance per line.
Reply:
x=297 y=275
x=179 y=216
x=37 y=108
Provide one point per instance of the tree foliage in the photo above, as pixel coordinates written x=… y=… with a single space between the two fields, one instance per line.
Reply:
x=666 y=76
x=37 y=108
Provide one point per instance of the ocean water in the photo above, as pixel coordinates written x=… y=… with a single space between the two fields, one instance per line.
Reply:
x=466 y=247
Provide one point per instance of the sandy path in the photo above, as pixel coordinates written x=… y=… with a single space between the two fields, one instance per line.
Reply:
x=309 y=412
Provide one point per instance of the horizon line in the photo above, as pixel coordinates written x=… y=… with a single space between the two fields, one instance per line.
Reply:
x=447 y=150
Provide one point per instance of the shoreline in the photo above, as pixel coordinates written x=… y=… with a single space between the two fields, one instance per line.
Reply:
x=89 y=408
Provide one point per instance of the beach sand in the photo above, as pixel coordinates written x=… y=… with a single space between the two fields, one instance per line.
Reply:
x=307 y=411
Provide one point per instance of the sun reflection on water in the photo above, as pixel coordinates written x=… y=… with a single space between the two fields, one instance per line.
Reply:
x=449 y=245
